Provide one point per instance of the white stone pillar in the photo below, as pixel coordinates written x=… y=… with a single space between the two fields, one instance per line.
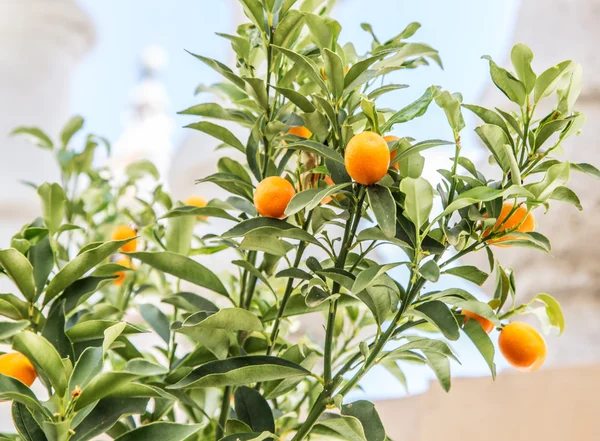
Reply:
x=558 y=30
x=42 y=40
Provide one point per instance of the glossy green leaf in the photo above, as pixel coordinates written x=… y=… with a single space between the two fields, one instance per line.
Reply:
x=8 y=329
x=419 y=200
x=522 y=56
x=230 y=319
x=42 y=259
x=20 y=271
x=253 y=409
x=553 y=311
x=157 y=320
x=334 y=72
x=384 y=207
x=26 y=425
x=367 y=277
x=264 y=226
x=81 y=265
x=53 y=205
x=548 y=80
x=468 y=272
x=507 y=83
x=366 y=413
x=440 y=365
x=240 y=371
x=565 y=194
x=495 y=139
x=413 y=110
x=218 y=132
x=347 y=428
x=556 y=176
x=484 y=194
x=44 y=357
x=439 y=315
x=184 y=268
x=297 y=98
x=482 y=342
x=306 y=64
x=161 y=431
x=94 y=330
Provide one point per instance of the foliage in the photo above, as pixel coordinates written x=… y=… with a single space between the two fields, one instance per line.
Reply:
x=225 y=339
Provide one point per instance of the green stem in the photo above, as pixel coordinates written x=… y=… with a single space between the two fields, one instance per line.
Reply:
x=225 y=407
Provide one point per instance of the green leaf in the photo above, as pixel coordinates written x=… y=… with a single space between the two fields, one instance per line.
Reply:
x=14 y=390
x=296 y=354
x=565 y=194
x=53 y=205
x=73 y=126
x=413 y=110
x=254 y=11
x=384 y=207
x=384 y=89
x=311 y=198
x=190 y=302
x=25 y=423
x=253 y=409
x=20 y=271
x=367 y=277
x=430 y=271
x=102 y=385
x=441 y=368
x=366 y=413
x=306 y=64
x=556 y=176
x=222 y=69
x=183 y=268
x=317 y=148
x=94 y=329
x=157 y=320
x=161 y=431
x=419 y=147
x=256 y=89
x=178 y=238
x=334 y=72
x=88 y=366
x=548 y=80
x=347 y=428
x=495 y=139
x=8 y=329
x=240 y=371
x=42 y=259
x=521 y=57
x=105 y=415
x=80 y=290
x=320 y=32
x=484 y=194
x=208 y=211
x=264 y=226
x=450 y=103
x=439 y=315
x=419 y=200
x=219 y=132
x=507 y=83
x=488 y=116
x=35 y=136
x=297 y=99
x=230 y=319
x=81 y=265
x=44 y=357
x=553 y=311
x=140 y=169
x=482 y=342
x=468 y=272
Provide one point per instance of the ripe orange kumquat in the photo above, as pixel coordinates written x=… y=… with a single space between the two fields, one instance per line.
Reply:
x=486 y=324
x=196 y=201
x=127 y=264
x=522 y=346
x=272 y=197
x=367 y=158
x=523 y=221
x=16 y=365
x=300 y=131
x=388 y=139
x=122 y=232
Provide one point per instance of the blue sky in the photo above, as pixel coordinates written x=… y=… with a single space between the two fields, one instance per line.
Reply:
x=462 y=30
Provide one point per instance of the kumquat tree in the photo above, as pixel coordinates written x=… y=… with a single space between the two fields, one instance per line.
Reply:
x=322 y=178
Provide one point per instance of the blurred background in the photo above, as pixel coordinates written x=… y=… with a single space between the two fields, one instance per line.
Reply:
x=122 y=66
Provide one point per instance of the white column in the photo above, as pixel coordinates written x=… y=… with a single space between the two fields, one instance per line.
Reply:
x=42 y=40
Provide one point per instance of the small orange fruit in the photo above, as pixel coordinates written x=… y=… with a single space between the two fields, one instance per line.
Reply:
x=272 y=197
x=300 y=131
x=329 y=182
x=367 y=158
x=127 y=264
x=522 y=346
x=521 y=220
x=16 y=365
x=122 y=232
x=196 y=201
x=487 y=325
x=391 y=138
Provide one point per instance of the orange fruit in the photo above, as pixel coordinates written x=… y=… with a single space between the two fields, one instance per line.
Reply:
x=487 y=325
x=330 y=182
x=196 y=201
x=520 y=218
x=522 y=346
x=122 y=232
x=300 y=131
x=272 y=197
x=367 y=158
x=126 y=263
x=16 y=365
x=391 y=138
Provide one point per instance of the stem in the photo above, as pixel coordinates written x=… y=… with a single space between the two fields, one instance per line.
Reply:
x=349 y=233
x=454 y=169
x=225 y=407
